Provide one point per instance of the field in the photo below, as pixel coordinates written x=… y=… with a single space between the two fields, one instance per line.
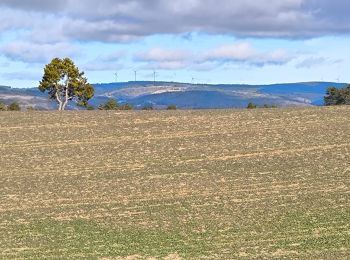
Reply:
x=222 y=184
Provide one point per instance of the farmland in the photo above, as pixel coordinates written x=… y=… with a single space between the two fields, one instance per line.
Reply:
x=216 y=184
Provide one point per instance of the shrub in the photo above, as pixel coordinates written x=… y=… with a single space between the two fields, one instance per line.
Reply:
x=14 y=107
x=126 y=107
x=172 y=107
x=269 y=106
x=2 y=107
x=251 y=105
x=109 y=105
x=148 y=107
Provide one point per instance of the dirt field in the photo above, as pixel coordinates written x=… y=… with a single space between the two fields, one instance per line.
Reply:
x=175 y=184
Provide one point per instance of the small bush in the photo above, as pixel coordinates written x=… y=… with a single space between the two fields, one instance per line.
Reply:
x=148 y=107
x=2 y=107
x=14 y=107
x=269 y=106
x=126 y=107
x=109 y=105
x=172 y=107
x=251 y=106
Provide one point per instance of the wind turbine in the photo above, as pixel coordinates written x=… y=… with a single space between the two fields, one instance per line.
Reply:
x=116 y=77
x=193 y=79
x=135 y=71
x=154 y=77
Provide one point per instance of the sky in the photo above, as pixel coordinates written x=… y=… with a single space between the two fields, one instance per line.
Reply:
x=195 y=41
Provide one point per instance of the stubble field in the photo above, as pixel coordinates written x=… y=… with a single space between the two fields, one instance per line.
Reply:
x=175 y=185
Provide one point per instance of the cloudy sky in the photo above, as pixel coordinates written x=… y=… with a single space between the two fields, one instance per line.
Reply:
x=212 y=41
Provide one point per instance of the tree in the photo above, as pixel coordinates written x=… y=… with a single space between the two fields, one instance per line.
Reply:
x=109 y=105
x=251 y=105
x=64 y=82
x=337 y=96
x=14 y=107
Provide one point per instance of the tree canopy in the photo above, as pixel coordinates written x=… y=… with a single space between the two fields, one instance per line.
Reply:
x=337 y=96
x=64 y=82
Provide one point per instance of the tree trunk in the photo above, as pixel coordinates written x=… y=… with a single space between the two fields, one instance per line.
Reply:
x=66 y=98
x=60 y=103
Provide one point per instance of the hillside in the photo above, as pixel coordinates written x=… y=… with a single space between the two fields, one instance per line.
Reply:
x=213 y=184
x=162 y=94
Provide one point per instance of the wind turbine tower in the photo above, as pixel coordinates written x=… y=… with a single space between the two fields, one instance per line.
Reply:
x=116 y=77
x=154 y=77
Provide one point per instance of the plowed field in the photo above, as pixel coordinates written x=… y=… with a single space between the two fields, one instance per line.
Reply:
x=220 y=184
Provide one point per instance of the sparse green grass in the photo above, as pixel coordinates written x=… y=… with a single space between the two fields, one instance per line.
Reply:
x=198 y=184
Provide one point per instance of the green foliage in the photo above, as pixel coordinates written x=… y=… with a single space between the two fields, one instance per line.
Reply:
x=172 y=107
x=30 y=108
x=64 y=82
x=337 y=96
x=111 y=104
x=2 y=107
x=126 y=107
x=148 y=107
x=14 y=107
x=251 y=105
x=269 y=106
x=89 y=107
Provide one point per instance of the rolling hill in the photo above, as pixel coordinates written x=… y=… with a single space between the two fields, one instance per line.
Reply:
x=183 y=95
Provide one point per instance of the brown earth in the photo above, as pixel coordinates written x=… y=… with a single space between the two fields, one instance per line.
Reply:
x=225 y=184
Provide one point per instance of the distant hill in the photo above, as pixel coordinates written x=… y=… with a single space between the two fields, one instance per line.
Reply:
x=183 y=95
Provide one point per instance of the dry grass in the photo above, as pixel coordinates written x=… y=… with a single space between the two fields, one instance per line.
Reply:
x=175 y=184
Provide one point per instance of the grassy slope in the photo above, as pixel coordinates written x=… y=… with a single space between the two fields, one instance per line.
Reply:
x=202 y=184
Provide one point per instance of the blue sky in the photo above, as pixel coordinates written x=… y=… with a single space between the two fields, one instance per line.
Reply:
x=201 y=41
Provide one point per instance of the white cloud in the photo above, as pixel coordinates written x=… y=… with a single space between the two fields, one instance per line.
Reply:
x=310 y=62
x=122 y=21
x=21 y=75
x=37 y=53
x=108 y=62
x=234 y=53
x=162 y=55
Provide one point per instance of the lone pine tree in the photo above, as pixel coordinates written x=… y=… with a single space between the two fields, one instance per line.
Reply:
x=64 y=82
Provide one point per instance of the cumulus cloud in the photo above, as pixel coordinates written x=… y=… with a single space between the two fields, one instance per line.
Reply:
x=310 y=62
x=234 y=53
x=37 y=53
x=164 y=59
x=21 y=75
x=109 y=62
x=121 y=21
x=245 y=52
x=161 y=55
